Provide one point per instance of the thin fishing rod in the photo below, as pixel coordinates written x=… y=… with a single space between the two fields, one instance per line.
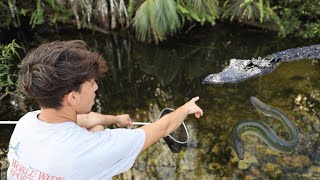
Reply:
x=177 y=141
x=8 y=122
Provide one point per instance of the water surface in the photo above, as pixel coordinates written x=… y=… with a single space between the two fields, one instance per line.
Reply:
x=142 y=79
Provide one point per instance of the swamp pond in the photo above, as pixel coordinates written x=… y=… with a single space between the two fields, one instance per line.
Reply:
x=144 y=78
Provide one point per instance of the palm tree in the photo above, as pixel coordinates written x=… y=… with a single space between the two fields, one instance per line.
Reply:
x=156 y=19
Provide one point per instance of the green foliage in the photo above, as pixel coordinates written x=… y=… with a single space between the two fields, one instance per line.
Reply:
x=37 y=16
x=5 y=17
x=38 y=12
x=58 y=11
x=155 y=19
x=311 y=30
x=300 y=18
x=131 y=8
x=8 y=55
x=293 y=17
x=255 y=10
x=201 y=11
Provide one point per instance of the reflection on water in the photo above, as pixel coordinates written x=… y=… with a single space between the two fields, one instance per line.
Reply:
x=168 y=75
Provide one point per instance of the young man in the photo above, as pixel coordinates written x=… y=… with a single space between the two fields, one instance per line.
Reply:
x=52 y=144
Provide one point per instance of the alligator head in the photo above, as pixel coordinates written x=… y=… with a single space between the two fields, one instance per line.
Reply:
x=239 y=70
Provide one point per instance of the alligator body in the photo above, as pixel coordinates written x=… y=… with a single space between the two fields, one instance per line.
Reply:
x=240 y=70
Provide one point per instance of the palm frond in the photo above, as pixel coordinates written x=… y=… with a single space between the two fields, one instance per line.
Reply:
x=155 y=19
x=142 y=21
x=166 y=16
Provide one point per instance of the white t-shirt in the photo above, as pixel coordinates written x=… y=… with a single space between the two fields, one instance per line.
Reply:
x=40 y=150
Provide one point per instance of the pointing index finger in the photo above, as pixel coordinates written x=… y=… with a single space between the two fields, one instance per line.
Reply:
x=195 y=99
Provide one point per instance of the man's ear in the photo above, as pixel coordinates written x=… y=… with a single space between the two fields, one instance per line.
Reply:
x=71 y=98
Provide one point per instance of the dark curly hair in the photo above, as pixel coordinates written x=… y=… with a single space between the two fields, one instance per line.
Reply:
x=54 y=69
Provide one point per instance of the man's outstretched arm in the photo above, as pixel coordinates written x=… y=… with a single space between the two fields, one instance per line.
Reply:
x=170 y=122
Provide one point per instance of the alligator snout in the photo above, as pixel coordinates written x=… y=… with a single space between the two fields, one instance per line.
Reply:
x=212 y=79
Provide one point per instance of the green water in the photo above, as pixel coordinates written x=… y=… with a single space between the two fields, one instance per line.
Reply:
x=145 y=78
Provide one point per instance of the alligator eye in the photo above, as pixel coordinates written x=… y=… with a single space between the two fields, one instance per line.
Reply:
x=248 y=66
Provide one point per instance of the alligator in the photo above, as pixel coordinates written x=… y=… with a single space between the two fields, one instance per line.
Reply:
x=243 y=69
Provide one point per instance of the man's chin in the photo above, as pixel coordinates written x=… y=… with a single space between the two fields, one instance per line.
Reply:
x=85 y=111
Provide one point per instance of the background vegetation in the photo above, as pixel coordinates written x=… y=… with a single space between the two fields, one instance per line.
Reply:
x=156 y=20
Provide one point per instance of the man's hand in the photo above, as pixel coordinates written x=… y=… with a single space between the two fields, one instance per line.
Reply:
x=192 y=108
x=124 y=120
